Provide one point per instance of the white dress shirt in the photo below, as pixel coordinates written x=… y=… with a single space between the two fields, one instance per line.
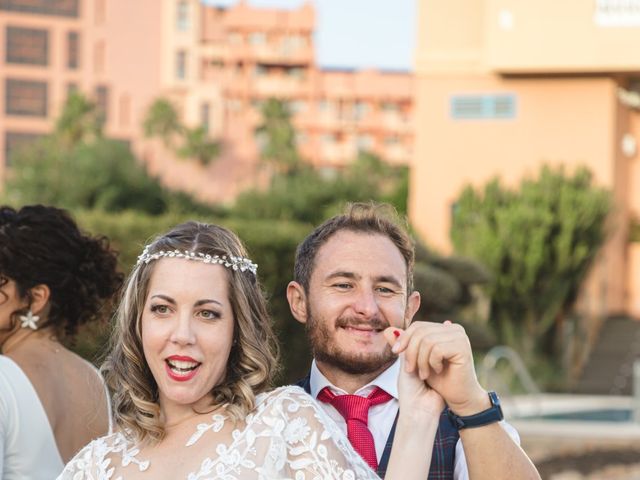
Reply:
x=381 y=417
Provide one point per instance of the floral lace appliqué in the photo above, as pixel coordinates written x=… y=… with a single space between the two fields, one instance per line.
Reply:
x=287 y=436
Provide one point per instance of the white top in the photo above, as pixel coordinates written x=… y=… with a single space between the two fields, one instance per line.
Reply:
x=27 y=442
x=382 y=416
x=287 y=436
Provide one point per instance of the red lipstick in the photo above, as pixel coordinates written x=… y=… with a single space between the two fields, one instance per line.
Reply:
x=181 y=368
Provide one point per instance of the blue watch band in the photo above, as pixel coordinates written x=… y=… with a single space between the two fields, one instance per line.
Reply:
x=486 y=417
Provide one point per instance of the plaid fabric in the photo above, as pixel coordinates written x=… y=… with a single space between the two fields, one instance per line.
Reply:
x=442 y=457
x=444 y=447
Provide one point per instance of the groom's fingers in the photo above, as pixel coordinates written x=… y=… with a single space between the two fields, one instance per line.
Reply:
x=392 y=335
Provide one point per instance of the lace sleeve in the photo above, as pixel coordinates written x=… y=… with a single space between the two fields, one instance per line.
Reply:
x=307 y=443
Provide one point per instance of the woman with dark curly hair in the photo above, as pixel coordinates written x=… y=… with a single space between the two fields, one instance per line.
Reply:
x=53 y=278
x=191 y=364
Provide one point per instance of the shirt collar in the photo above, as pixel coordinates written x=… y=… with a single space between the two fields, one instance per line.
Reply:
x=387 y=380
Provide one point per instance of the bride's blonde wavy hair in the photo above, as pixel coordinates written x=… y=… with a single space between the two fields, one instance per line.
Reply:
x=252 y=362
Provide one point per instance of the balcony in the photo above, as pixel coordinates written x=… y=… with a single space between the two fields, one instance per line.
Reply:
x=279 y=86
x=270 y=54
x=282 y=55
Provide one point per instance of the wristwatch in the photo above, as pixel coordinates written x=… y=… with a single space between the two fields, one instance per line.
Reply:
x=486 y=417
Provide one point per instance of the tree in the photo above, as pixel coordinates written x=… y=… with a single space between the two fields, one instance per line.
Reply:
x=279 y=137
x=102 y=174
x=198 y=145
x=538 y=242
x=162 y=121
x=80 y=121
x=308 y=195
x=381 y=180
x=76 y=167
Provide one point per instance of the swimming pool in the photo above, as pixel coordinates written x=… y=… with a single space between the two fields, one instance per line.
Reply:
x=573 y=416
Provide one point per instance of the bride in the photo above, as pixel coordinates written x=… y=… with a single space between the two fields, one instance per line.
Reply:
x=192 y=360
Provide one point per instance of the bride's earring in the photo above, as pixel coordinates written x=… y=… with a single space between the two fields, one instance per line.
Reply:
x=29 y=320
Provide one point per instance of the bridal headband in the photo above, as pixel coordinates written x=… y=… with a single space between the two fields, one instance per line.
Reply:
x=229 y=261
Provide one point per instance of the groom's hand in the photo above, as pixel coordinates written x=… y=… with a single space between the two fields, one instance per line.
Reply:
x=415 y=395
x=440 y=355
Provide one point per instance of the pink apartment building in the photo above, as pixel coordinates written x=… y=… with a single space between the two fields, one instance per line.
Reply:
x=504 y=85
x=216 y=64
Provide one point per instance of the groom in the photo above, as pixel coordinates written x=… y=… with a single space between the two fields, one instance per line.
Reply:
x=354 y=278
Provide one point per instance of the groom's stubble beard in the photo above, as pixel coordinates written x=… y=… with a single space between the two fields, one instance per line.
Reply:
x=326 y=350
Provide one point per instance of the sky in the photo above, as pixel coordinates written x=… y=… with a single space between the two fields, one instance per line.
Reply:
x=358 y=33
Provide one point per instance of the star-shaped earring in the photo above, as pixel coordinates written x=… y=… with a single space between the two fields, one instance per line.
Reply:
x=29 y=320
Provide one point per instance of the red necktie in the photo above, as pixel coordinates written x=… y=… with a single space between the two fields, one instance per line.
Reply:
x=355 y=410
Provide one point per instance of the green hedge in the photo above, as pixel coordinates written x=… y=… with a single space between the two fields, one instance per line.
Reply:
x=270 y=243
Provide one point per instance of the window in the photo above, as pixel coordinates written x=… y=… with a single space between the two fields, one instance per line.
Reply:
x=260 y=71
x=477 y=107
x=324 y=106
x=360 y=110
x=60 y=8
x=102 y=101
x=389 y=107
x=25 y=98
x=292 y=43
x=328 y=139
x=617 y=13
x=27 y=46
x=13 y=141
x=73 y=56
x=295 y=72
x=205 y=111
x=181 y=65
x=257 y=38
x=182 y=17
x=297 y=106
x=364 y=142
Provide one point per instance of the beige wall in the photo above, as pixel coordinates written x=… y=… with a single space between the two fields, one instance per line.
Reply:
x=553 y=58
x=132 y=34
x=450 y=35
x=553 y=124
x=553 y=36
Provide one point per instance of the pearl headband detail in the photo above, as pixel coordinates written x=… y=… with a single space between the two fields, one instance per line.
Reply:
x=229 y=261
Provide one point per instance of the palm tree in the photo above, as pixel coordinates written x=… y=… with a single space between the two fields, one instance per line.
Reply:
x=80 y=121
x=162 y=121
x=198 y=145
x=279 y=137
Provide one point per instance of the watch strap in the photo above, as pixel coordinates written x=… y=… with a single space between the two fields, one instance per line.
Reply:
x=491 y=415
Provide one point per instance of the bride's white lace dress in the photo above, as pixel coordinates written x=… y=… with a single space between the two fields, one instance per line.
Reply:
x=287 y=436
